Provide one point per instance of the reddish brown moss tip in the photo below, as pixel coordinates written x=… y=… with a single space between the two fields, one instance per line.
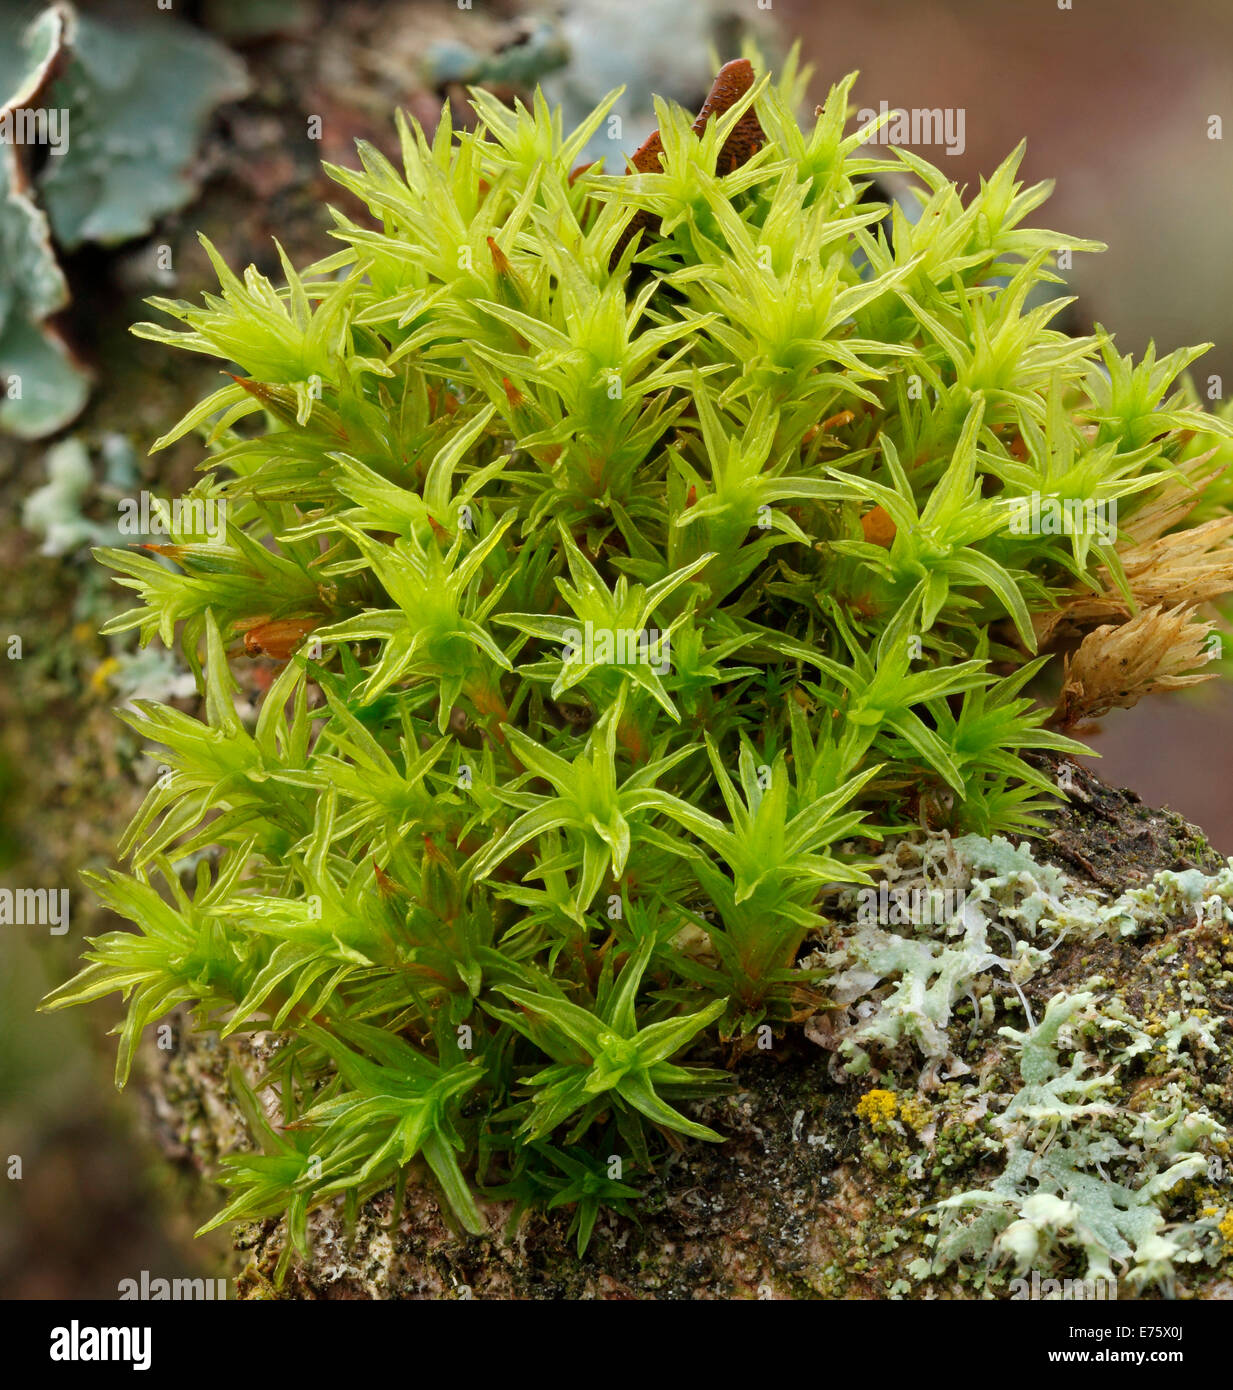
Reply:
x=731 y=83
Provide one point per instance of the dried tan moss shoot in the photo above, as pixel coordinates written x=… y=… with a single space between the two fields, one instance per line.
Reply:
x=1171 y=575
x=1116 y=665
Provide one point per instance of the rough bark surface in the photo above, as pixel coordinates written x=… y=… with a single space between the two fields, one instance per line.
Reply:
x=797 y=1203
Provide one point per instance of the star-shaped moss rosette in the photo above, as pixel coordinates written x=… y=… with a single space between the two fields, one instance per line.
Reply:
x=629 y=587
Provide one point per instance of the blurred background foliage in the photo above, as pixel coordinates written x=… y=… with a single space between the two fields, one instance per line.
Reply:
x=200 y=117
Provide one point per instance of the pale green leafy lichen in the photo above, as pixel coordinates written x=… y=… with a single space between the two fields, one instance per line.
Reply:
x=1084 y=1171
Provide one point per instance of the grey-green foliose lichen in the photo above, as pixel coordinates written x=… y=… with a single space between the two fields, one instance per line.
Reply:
x=1075 y=1128
x=1035 y=1080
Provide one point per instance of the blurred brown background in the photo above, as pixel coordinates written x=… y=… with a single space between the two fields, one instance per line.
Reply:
x=1114 y=98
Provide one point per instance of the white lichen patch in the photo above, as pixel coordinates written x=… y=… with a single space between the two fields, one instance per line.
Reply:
x=1082 y=1171
x=1086 y=1112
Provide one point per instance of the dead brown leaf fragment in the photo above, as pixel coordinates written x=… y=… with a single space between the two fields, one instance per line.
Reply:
x=278 y=638
x=731 y=83
x=1115 y=666
x=877 y=526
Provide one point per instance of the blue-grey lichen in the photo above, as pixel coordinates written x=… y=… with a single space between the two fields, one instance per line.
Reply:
x=100 y=125
x=1097 y=1142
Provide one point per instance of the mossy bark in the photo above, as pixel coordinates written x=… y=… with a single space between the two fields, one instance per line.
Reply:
x=805 y=1199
